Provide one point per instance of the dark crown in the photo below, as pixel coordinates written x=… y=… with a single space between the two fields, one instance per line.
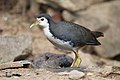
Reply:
x=45 y=15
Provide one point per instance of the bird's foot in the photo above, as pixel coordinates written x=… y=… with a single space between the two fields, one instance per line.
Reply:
x=76 y=62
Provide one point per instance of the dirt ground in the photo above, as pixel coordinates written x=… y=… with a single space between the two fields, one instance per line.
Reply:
x=30 y=74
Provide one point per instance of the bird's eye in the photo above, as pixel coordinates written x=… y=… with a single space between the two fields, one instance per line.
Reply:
x=42 y=19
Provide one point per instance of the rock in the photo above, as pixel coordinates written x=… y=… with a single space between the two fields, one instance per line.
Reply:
x=87 y=60
x=16 y=64
x=68 y=16
x=73 y=5
x=102 y=15
x=74 y=74
x=83 y=4
x=49 y=60
x=14 y=46
x=110 y=62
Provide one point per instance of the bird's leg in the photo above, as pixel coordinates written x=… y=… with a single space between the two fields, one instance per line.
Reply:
x=73 y=64
x=77 y=60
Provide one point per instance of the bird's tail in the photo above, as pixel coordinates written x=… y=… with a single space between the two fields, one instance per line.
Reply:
x=97 y=34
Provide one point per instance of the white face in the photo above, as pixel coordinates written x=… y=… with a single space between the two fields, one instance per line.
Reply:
x=43 y=22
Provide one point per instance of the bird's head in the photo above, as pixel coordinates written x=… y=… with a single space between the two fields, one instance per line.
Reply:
x=42 y=20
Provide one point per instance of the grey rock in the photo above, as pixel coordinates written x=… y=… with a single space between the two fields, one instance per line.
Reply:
x=49 y=60
x=74 y=74
x=14 y=46
x=102 y=15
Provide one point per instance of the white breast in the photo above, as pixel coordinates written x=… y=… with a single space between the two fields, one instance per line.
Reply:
x=57 y=42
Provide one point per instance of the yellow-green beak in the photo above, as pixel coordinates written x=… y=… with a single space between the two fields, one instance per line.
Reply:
x=34 y=24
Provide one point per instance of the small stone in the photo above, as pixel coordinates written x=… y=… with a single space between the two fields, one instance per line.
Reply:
x=74 y=74
x=90 y=74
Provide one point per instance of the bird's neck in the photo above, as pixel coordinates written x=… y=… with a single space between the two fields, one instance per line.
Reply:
x=47 y=31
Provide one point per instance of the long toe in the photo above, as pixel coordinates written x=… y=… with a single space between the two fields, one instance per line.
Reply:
x=74 y=62
x=77 y=63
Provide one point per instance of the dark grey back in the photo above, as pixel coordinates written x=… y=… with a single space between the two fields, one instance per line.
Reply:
x=78 y=35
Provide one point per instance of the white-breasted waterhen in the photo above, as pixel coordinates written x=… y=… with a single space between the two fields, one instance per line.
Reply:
x=67 y=35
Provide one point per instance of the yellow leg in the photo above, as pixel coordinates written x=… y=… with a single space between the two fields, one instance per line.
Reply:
x=77 y=60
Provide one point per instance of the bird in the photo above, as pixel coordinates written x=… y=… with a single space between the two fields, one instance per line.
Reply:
x=67 y=35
